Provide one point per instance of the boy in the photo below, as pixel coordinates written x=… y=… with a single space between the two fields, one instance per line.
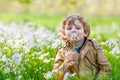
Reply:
x=80 y=55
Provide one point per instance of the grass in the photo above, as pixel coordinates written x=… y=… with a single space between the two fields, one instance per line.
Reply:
x=35 y=68
x=53 y=21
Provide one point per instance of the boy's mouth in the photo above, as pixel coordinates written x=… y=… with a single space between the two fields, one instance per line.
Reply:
x=74 y=37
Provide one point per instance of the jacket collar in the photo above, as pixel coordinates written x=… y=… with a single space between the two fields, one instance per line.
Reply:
x=84 y=48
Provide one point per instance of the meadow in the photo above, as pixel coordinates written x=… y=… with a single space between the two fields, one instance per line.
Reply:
x=28 y=44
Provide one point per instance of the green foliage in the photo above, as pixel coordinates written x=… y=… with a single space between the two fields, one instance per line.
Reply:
x=35 y=68
x=25 y=1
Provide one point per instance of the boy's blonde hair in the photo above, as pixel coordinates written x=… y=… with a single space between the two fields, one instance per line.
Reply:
x=71 y=19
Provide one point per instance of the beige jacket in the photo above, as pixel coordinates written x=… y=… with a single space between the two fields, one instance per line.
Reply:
x=91 y=61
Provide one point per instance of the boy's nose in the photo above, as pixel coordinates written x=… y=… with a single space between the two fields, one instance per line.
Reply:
x=73 y=31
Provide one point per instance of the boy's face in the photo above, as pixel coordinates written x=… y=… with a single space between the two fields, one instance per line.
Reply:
x=75 y=32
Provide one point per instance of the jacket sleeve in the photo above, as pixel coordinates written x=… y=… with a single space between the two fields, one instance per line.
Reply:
x=59 y=67
x=103 y=63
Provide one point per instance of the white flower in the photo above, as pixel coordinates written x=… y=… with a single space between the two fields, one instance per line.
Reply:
x=6 y=70
x=8 y=62
x=18 y=43
x=56 y=43
x=8 y=79
x=0 y=53
x=16 y=51
x=18 y=34
x=4 y=59
x=26 y=49
x=10 y=43
x=17 y=58
x=48 y=75
x=110 y=43
x=43 y=55
x=52 y=59
x=46 y=61
x=115 y=50
x=1 y=39
x=15 y=71
x=19 y=77
x=68 y=75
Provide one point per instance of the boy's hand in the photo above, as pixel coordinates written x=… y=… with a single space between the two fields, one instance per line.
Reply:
x=71 y=62
x=72 y=66
x=69 y=65
x=71 y=56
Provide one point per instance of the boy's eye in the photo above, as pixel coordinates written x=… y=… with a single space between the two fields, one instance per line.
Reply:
x=78 y=28
x=69 y=28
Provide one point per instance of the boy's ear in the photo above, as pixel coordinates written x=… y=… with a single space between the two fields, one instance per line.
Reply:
x=86 y=34
x=64 y=36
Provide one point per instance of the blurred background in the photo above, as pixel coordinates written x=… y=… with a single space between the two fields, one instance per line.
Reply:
x=29 y=34
x=102 y=15
x=40 y=11
x=55 y=7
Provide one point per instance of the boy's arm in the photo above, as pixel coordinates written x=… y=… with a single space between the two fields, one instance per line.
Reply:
x=59 y=62
x=103 y=63
x=63 y=64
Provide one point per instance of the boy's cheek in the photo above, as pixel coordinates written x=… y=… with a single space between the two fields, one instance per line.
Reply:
x=67 y=36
